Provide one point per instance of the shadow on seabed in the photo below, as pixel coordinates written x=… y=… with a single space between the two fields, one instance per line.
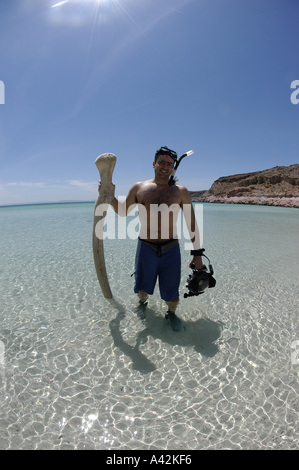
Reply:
x=202 y=334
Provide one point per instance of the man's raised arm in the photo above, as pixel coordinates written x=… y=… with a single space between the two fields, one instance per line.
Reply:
x=123 y=208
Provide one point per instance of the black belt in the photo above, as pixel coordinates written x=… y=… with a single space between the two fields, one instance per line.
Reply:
x=163 y=247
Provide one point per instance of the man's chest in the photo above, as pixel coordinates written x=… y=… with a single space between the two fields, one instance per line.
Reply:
x=159 y=195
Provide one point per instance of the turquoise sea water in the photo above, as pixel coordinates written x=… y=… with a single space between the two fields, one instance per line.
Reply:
x=78 y=372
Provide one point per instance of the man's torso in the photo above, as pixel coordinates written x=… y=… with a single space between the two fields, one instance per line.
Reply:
x=159 y=205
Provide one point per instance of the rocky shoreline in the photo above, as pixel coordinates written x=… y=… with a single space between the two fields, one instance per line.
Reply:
x=261 y=201
x=278 y=186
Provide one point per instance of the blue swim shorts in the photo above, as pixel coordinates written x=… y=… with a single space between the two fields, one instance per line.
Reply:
x=163 y=262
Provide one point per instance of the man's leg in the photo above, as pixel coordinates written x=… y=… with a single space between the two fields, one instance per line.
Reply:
x=145 y=271
x=175 y=322
x=172 y=305
x=143 y=296
x=169 y=281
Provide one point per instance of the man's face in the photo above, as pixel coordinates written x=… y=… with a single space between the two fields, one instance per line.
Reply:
x=163 y=166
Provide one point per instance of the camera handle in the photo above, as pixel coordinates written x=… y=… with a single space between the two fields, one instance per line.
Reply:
x=200 y=253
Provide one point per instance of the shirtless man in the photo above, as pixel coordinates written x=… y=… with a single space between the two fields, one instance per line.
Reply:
x=158 y=253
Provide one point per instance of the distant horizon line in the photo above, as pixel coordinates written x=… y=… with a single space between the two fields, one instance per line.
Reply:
x=67 y=201
x=44 y=203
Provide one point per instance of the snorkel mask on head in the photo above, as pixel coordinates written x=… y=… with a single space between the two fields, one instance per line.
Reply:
x=166 y=151
x=174 y=156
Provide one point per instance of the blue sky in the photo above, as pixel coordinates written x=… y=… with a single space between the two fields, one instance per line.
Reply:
x=85 y=77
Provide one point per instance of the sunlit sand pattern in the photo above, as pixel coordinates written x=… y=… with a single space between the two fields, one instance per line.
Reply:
x=80 y=373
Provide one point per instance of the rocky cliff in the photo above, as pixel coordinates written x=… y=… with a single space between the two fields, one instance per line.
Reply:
x=278 y=186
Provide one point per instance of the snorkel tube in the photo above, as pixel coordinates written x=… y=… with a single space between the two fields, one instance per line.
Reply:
x=172 y=179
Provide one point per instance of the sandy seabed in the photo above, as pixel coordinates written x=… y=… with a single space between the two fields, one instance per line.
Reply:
x=78 y=372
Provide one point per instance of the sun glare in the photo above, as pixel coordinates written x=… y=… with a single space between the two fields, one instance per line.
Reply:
x=60 y=3
x=80 y=12
x=74 y=2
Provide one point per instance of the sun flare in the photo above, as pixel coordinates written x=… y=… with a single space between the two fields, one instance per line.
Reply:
x=80 y=11
x=76 y=2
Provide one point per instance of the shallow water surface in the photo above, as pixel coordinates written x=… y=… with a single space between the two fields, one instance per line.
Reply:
x=78 y=372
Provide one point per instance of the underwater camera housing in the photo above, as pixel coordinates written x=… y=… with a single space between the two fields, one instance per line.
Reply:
x=200 y=279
